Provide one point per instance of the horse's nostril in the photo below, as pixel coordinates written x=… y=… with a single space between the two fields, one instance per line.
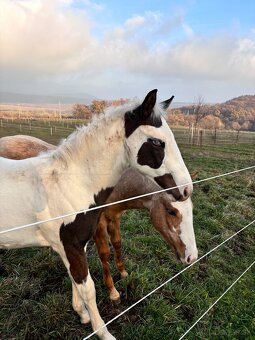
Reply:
x=188 y=260
x=186 y=192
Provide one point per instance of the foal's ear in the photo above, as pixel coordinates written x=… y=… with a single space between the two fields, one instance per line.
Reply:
x=149 y=103
x=165 y=104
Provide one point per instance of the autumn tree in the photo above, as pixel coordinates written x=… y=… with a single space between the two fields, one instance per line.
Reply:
x=236 y=126
x=81 y=111
x=198 y=110
x=98 y=106
x=212 y=122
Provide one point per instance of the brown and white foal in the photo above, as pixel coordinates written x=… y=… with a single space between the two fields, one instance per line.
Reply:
x=173 y=220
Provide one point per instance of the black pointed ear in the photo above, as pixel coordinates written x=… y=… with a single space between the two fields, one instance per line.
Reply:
x=149 y=103
x=165 y=104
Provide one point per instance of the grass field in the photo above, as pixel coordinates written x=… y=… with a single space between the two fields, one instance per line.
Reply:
x=35 y=291
x=53 y=130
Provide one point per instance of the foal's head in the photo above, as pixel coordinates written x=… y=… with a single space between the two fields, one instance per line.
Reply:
x=174 y=220
x=152 y=148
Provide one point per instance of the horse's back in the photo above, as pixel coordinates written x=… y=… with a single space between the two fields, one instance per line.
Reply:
x=32 y=190
x=21 y=196
x=21 y=146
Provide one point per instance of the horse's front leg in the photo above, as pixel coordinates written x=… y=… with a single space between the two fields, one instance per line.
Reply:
x=75 y=260
x=115 y=237
x=78 y=305
x=88 y=293
x=101 y=240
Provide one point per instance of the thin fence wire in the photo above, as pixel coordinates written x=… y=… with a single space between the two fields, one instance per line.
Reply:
x=172 y=278
x=207 y=311
x=121 y=201
x=169 y=280
x=136 y=197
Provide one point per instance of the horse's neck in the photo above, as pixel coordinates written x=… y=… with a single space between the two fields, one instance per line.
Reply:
x=101 y=156
x=132 y=184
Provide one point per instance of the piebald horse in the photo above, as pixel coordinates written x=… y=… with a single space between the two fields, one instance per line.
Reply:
x=81 y=174
x=174 y=220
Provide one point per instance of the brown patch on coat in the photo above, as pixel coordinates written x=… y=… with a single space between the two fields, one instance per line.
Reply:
x=167 y=220
x=142 y=115
x=150 y=155
x=76 y=234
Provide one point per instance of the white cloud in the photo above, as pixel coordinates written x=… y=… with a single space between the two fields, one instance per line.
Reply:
x=39 y=35
x=93 y=5
x=188 y=30
x=135 y=22
x=52 y=38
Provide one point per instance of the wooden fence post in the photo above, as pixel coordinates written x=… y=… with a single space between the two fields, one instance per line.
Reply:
x=237 y=136
x=192 y=133
x=215 y=135
x=201 y=138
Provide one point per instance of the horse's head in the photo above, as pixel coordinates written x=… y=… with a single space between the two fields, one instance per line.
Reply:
x=174 y=220
x=152 y=148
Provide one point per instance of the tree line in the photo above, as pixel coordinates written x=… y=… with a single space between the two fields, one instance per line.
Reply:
x=237 y=114
x=82 y=111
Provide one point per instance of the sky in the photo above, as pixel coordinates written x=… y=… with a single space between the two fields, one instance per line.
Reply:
x=112 y=49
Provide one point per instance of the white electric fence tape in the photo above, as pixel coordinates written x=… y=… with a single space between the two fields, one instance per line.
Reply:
x=121 y=201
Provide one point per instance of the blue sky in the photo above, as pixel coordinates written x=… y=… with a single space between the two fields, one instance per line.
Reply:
x=123 y=49
x=205 y=17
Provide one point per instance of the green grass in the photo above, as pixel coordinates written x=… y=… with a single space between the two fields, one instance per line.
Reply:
x=35 y=292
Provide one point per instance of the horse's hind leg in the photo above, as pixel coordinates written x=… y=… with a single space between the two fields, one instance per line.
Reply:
x=101 y=239
x=115 y=237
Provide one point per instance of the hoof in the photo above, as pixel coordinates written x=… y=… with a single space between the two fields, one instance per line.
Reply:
x=107 y=336
x=85 y=318
x=114 y=295
x=124 y=274
x=116 y=303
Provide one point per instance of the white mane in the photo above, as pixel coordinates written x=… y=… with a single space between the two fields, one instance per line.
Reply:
x=81 y=137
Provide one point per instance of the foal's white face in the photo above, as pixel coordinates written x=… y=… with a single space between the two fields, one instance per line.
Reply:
x=174 y=220
x=187 y=235
x=152 y=148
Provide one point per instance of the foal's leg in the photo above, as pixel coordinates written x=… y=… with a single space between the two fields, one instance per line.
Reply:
x=75 y=260
x=115 y=237
x=101 y=239
x=78 y=305
x=88 y=293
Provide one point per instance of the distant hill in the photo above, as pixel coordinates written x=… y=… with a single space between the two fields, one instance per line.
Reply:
x=246 y=102
x=237 y=113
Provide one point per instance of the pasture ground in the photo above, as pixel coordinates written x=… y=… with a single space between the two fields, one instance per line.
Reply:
x=35 y=291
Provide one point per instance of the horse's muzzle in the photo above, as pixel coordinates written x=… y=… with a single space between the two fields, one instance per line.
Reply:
x=179 y=193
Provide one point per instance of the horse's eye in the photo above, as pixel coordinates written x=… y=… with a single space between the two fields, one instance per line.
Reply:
x=156 y=142
x=171 y=212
